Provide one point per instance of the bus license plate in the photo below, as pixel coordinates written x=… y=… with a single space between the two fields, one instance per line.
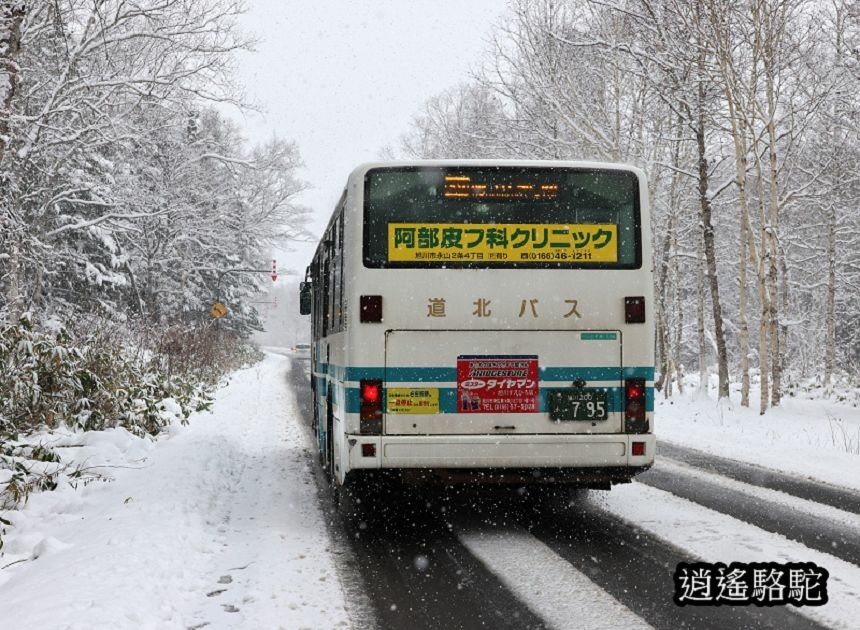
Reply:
x=577 y=404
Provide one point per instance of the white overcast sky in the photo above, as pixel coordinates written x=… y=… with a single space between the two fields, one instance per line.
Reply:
x=343 y=78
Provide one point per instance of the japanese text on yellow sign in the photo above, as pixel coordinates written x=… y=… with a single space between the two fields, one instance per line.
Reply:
x=507 y=242
x=411 y=400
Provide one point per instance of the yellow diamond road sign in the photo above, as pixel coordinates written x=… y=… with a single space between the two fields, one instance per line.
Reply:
x=218 y=310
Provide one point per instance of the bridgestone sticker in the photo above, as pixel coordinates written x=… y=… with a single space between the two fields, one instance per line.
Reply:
x=497 y=384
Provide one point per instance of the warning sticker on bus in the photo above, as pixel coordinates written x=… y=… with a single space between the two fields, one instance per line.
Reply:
x=412 y=400
x=497 y=384
x=503 y=243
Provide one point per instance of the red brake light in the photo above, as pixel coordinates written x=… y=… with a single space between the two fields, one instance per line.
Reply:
x=635 y=390
x=370 y=392
x=634 y=406
x=637 y=448
x=370 y=417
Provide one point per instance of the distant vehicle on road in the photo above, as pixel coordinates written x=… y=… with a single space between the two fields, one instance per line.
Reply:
x=302 y=350
x=485 y=321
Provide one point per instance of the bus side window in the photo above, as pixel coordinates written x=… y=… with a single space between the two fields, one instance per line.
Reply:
x=316 y=281
x=335 y=273
x=341 y=302
x=305 y=297
x=325 y=297
x=330 y=268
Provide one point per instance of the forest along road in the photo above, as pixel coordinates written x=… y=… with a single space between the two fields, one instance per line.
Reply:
x=497 y=558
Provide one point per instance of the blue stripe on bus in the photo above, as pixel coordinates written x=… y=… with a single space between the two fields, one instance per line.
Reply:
x=404 y=374
x=448 y=399
x=436 y=374
x=448 y=395
x=595 y=373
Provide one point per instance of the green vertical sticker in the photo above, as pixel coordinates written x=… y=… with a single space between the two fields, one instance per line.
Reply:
x=598 y=336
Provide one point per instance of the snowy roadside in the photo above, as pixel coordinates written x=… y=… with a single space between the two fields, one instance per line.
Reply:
x=814 y=438
x=216 y=525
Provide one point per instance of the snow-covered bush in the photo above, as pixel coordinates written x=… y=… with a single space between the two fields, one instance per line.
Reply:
x=95 y=377
x=85 y=381
x=204 y=354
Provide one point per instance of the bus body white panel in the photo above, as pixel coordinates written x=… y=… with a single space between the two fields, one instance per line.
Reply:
x=558 y=357
x=508 y=451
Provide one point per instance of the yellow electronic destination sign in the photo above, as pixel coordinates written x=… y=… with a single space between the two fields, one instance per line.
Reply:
x=475 y=188
x=503 y=243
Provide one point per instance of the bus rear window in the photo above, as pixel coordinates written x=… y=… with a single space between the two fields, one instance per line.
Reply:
x=501 y=217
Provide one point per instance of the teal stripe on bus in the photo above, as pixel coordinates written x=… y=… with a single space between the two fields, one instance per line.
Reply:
x=595 y=373
x=402 y=374
x=448 y=395
x=436 y=374
x=638 y=372
x=448 y=399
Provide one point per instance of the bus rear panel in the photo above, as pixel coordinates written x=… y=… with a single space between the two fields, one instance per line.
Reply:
x=486 y=322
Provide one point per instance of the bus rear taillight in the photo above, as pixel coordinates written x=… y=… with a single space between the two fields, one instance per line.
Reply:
x=370 y=309
x=371 y=392
x=370 y=422
x=634 y=310
x=634 y=406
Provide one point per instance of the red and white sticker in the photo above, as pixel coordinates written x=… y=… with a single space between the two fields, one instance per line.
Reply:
x=497 y=384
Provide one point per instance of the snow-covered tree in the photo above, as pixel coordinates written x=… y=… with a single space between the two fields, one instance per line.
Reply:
x=744 y=115
x=124 y=191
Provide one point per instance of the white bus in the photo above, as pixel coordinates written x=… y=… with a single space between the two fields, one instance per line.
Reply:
x=485 y=321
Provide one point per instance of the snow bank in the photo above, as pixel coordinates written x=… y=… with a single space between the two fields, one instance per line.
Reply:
x=815 y=438
x=215 y=523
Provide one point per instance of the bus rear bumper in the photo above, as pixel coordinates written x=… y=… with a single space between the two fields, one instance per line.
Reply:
x=500 y=452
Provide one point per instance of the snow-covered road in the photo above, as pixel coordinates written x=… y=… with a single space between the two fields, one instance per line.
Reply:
x=226 y=523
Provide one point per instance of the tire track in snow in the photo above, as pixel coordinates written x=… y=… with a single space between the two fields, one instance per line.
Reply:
x=705 y=534
x=635 y=565
x=816 y=526
x=420 y=576
x=840 y=498
x=548 y=584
